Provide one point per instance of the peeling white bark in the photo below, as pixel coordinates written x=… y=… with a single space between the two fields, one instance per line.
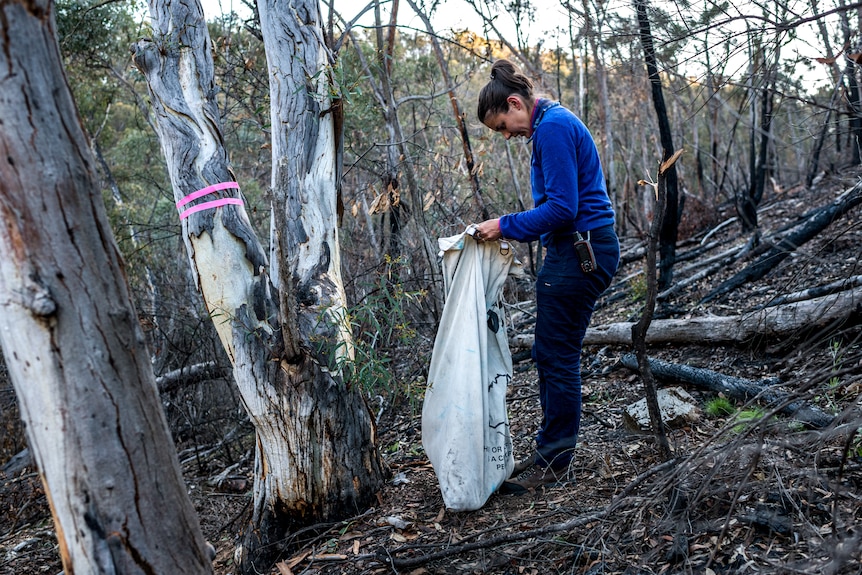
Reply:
x=70 y=335
x=226 y=281
x=316 y=456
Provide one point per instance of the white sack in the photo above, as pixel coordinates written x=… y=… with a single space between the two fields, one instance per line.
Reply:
x=465 y=426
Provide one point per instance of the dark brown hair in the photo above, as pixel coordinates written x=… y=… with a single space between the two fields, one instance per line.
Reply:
x=506 y=79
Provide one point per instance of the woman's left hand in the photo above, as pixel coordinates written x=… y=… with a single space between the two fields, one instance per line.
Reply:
x=488 y=231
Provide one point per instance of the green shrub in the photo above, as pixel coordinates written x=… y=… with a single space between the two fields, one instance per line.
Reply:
x=719 y=407
x=746 y=417
x=380 y=325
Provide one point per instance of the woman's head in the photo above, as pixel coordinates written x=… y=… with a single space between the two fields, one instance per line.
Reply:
x=506 y=80
x=505 y=99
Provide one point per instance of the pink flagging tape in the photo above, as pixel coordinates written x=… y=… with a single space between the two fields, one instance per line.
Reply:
x=210 y=205
x=205 y=191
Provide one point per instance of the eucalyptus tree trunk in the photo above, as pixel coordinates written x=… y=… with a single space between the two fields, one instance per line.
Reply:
x=70 y=334
x=283 y=322
x=746 y=208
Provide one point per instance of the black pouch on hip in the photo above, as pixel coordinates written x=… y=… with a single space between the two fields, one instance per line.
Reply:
x=584 y=251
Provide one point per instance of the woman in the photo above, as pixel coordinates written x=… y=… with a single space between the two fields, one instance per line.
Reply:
x=571 y=207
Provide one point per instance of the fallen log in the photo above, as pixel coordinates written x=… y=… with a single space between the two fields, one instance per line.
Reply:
x=190 y=374
x=788 y=244
x=817 y=291
x=736 y=388
x=709 y=265
x=17 y=463
x=768 y=323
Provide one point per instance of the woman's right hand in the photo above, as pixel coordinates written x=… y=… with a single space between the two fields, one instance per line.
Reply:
x=488 y=231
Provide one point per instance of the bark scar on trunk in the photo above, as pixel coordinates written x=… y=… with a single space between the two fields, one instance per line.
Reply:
x=38 y=298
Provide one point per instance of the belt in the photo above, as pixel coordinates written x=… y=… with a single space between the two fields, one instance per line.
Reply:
x=571 y=236
x=560 y=238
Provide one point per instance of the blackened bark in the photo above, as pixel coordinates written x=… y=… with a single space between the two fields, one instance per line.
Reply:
x=668 y=235
x=787 y=245
x=854 y=110
x=639 y=330
x=762 y=171
x=736 y=388
x=750 y=199
x=854 y=107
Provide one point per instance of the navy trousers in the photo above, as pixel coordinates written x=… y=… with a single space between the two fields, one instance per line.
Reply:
x=565 y=299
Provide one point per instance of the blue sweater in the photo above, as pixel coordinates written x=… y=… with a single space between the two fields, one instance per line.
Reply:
x=569 y=191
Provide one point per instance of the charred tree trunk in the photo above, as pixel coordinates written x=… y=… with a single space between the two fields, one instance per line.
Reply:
x=639 y=330
x=854 y=107
x=853 y=104
x=667 y=238
x=282 y=323
x=749 y=203
x=70 y=335
x=745 y=207
x=762 y=170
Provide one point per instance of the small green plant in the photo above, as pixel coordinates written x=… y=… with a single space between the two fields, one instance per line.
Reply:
x=719 y=407
x=379 y=326
x=856 y=444
x=638 y=286
x=830 y=394
x=746 y=417
x=836 y=352
x=795 y=426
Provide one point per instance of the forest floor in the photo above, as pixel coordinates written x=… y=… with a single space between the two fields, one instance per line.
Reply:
x=755 y=492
